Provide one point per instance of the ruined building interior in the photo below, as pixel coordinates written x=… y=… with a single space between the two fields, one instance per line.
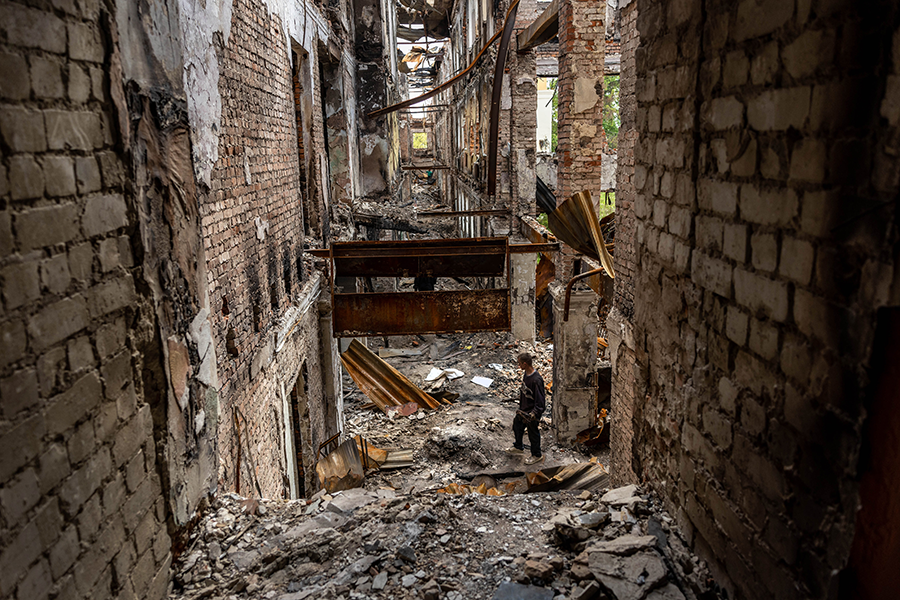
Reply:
x=238 y=256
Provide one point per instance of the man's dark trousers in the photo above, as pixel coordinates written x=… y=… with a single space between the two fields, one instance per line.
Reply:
x=534 y=436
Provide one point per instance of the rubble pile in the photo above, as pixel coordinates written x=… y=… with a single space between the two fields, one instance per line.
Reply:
x=384 y=544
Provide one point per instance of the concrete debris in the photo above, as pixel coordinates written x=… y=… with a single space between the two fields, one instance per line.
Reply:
x=383 y=544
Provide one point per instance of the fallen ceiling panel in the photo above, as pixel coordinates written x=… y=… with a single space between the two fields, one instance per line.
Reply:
x=421 y=312
x=381 y=382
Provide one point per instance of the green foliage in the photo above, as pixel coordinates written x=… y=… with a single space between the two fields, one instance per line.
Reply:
x=420 y=140
x=543 y=220
x=611 y=119
x=604 y=208
x=554 y=132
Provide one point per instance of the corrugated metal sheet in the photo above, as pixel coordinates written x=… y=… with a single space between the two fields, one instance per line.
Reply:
x=381 y=382
x=579 y=476
x=342 y=469
x=575 y=222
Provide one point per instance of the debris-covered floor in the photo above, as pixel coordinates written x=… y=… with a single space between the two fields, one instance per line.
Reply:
x=397 y=536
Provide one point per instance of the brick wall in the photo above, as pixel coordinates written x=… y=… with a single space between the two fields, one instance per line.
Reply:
x=82 y=502
x=764 y=129
x=253 y=229
x=621 y=318
x=581 y=138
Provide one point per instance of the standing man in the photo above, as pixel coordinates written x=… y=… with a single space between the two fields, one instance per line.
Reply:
x=532 y=402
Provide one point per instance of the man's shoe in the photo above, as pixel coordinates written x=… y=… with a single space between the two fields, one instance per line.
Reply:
x=514 y=450
x=533 y=460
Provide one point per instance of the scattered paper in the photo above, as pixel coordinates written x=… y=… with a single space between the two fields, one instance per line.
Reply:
x=496 y=367
x=453 y=374
x=435 y=374
x=482 y=381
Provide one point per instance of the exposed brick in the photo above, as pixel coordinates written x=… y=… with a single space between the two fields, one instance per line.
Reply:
x=761 y=294
x=797 y=258
x=71 y=406
x=21 y=284
x=764 y=248
x=64 y=552
x=768 y=206
x=73 y=130
x=103 y=214
x=12 y=341
x=126 y=403
x=736 y=325
x=816 y=317
x=717 y=196
x=709 y=233
x=777 y=110
x=57 y=322
x=84 y=482
x=37 y=582
x=753 y=416
x=85 y=43
x=87 y=174
x=32 y=28
x=19 y=392
x=734 y=244
x=23 y=442
x=811 y=50
x=59 y=172
x=55 y=274
x=79 y=84
x=718 y=427
x=107 y=297
x=81 y=259
x=54 y=466
x=46 y=78
x=41 y=227
x=17 y=556
x=711 y=273
x=81 y=442
x=6 y=237
x=111 y=338
x=26 y=180
x=116 y=374
x=22 y=129
x=18 y=496
x=14 y=83
x=756 y=18
x=764 y=339
x=52 y=370
x=808 y=161
x=724 y=113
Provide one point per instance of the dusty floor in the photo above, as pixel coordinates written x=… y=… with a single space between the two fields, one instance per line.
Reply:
x=458 y=442
x=398 y=537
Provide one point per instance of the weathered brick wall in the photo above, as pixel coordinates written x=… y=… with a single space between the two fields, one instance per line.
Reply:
x=253 y=227
x=620 y=321
x=761 y=138
x=82 y=512
x=581 y=139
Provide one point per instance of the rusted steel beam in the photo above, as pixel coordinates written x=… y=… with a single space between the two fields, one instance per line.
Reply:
x=494 y=125
x=484 y=257
x=423 y=167
x=530 y=248
x=318 y=252
x=422 y=312
x=464 y=213
x=542 y=30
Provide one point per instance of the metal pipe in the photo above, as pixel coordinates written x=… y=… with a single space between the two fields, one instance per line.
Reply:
x=572 y=282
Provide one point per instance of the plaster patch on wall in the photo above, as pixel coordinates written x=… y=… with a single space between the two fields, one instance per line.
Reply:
x=585 y=94
x=261 y=228
x=581 y=129
x=201 y=77
x=199 y=23
x=505 y=93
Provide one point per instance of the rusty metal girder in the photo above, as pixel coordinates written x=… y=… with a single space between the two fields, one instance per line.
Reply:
x=421 y=312
x=482 y=257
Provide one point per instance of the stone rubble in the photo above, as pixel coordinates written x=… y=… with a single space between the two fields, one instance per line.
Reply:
x=384 y=544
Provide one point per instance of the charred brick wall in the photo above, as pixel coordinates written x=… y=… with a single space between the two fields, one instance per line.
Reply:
x=253 y=228
x=620 y=322
x=83 y=505
x=581 y=138
x=764 y=244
